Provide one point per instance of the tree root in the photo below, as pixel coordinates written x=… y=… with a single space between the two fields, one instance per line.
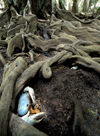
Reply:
x=67 y=15
x=87 y=62
x=3 y=43
x=32 y=23
x=78 y=49
x=3 y=61
x=31 y=53
x=16 y=29
x=3 y=33
x=4 y=18
x=46 y=70
x=28 y=74
x=18 y=127
x=79 y=125
x=91 y=49
x=7 y=92
x=8 y=69
x=97 y=59
x=12 y=44
x=65 y=57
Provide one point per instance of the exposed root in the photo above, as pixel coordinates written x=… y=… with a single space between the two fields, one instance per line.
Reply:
x=3 y=61
x=28 y=74
x=31 y=53
x=18 y=127
x=7 y=92
x=12 y=44
x=67 y=15
x=46 y=70
x=87 y=62
x=79 y=125
x=65 y=57
x=91 y=49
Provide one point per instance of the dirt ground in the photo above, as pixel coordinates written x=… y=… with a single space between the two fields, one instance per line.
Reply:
x=56 y=97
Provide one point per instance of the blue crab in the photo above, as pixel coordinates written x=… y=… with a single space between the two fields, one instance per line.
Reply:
x=25 y=99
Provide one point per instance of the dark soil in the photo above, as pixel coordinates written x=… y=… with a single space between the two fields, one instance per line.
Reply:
x=56 y=97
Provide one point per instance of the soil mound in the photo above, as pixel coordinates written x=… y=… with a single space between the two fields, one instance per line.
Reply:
x=56 y=96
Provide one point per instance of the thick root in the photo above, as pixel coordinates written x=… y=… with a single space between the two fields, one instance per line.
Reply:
x=7 y=92
x=91 y=49
x=8 y=70
x=65 y=57
x=31 y=53
x=87 y=62
x=3 y=61
x=28 y=74
x=18 y=127
x=79 y=125
x=46 y=70
x=16 y=42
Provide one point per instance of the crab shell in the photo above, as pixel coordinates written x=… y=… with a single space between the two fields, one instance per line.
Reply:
x=24 y=101
x=23 y=104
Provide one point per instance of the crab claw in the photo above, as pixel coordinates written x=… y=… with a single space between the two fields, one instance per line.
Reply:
x=31 y=93
x=34 y=118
